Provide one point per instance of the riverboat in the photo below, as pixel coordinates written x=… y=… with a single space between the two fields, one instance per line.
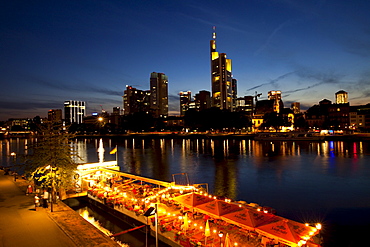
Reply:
x=186 y=215
x=289 y=136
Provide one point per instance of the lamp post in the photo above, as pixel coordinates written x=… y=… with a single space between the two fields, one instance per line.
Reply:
x=221 y=234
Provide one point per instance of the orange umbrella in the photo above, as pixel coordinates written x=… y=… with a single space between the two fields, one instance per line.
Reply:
x=286 y=231
x=216 y=208
x=248 y=218
x=191 y=200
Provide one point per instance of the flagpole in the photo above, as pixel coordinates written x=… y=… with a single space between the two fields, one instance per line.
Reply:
x=116 y=155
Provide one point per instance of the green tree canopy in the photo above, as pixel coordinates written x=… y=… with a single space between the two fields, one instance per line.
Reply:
x=50 y=158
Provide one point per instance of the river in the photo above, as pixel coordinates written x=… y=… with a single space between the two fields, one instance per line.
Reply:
x=327 y=182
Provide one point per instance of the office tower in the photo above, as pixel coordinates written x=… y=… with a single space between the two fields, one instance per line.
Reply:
x=185 y=99
x=341 y=97
x=55 y=115
x=74 y=111
x=159 y=94
x=296 y=107
x=203 y=100
x=135 y=100
x=221 y=78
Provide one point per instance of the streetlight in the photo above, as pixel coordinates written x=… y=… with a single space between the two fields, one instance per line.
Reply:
x=221 y=234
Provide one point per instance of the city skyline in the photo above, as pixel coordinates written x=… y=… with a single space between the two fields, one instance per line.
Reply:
x=90 y=51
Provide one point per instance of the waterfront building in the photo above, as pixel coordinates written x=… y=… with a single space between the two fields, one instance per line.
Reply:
x=55 y=115
x=360 y=117
x=223 y=95
x=185 y=99
x=341 y=97
x=159 y=94
x=74 y=111
x=135 y=100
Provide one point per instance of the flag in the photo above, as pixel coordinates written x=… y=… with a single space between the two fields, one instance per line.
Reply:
x=114 y=150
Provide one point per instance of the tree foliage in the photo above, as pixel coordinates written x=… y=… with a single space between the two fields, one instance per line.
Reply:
x=50 y=158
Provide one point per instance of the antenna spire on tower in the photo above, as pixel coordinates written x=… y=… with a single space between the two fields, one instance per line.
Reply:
x=214 y=32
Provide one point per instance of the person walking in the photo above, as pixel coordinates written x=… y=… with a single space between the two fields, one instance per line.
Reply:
x=45 y=198
x=29 y=190
x=37 y=201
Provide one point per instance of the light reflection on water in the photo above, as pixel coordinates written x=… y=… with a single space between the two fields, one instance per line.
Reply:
x=301 y=180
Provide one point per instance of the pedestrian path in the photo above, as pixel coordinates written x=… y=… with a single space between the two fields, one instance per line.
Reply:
x=21 y=225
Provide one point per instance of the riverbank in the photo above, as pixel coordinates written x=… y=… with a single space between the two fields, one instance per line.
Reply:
x=203 y=135
x=22 y=225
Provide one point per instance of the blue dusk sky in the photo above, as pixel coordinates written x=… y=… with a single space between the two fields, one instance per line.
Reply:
x=52 y=51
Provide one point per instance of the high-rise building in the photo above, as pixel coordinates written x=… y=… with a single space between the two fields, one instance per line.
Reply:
x=296 y=107
x=221 y=78
x=341 y=97
x=278 y=103
x=159 y=94
x=135 y=100
x=203 y=100
x=74 y=111
x=185 y=99
x=55 y=115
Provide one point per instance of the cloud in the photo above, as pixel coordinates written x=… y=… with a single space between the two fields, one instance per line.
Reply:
x=271 y=36
x=281 y=77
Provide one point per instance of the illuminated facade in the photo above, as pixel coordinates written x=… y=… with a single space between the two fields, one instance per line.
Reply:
x=223 y=90
x=341 y=97
x=276 y=97
x=203 y=100
x=159 y=94
x=185 y=99
x=296 y=107
x=135 y=100
x=245 y=104
x=74 y=111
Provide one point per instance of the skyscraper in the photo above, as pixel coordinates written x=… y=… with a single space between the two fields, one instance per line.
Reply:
x=159 y=94
x=221 y=78
x=74 y=111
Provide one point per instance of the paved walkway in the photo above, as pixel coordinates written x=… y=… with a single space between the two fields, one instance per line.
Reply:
x=21 y=225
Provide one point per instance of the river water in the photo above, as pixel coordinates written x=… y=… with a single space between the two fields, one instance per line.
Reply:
x=327 y=182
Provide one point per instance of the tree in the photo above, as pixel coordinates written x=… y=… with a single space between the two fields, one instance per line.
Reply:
x=50 y=161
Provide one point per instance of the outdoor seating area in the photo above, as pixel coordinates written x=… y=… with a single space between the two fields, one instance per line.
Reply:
x=190 y=217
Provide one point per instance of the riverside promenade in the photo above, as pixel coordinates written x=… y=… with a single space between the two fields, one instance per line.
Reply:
x=21 y=225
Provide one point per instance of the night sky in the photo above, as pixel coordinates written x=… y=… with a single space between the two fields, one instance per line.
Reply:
x=52 y=51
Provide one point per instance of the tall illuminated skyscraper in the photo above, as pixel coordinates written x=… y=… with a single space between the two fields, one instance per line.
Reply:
x=159 y=94
x=221 y=78
x=74 y=111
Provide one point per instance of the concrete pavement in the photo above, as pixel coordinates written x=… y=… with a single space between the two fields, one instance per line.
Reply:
x=21 y=225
